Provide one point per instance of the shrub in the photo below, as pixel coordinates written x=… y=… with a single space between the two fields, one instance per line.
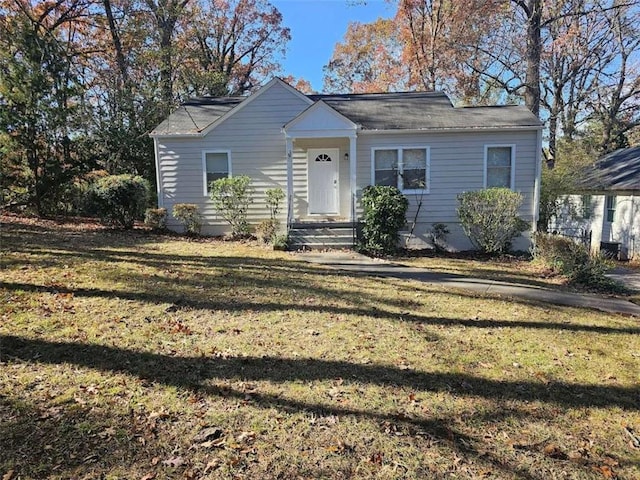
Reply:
x=385 y=210
x=119 y=200
x=572 y=260
x=439 y=233
x=156 y=218
x=267 y=230
x=280 y=242
x=231 y=197
x=189 y=216
x=274 y=197
x=490 y=218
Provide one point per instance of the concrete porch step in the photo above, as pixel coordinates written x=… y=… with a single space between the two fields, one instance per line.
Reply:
x=321 y=235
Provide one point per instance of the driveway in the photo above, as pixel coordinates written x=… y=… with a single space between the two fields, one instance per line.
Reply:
x=360 y=264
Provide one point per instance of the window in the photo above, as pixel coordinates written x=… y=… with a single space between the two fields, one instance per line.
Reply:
x=498 y=160
x=215 y=165
x=586 y=206
x=611 y=208
x=405 y=168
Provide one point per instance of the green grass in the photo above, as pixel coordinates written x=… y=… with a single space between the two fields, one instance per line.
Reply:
x=117 y=350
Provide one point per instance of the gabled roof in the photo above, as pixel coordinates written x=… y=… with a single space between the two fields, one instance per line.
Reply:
x=618 y=170
x=371 y=112
x=320 y=116
x=198 y=116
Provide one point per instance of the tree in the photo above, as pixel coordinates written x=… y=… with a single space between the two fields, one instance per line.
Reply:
x=440 y=40
x=38 y=98
x=166 y=15
x=368 y=60
x=230 y=47
x=616 y=100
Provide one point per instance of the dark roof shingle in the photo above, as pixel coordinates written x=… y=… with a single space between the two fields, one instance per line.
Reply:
x=423 y=111
x=196 y=114
x=371 y=111
x=618 y=170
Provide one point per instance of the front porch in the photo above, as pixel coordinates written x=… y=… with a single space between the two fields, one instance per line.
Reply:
x=321 y=174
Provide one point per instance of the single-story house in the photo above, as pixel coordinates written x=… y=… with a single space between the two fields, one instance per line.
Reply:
x=605 y=209
x=323 y=150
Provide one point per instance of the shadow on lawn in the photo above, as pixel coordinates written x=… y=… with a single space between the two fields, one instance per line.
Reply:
x=199 y=375
x=193 y=372
x=36 y=440
x=179 y=300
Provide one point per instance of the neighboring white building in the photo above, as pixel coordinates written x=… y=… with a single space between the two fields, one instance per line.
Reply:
x=322 y=150
x=607 y=210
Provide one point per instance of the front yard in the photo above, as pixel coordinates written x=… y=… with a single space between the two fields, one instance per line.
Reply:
x=139 y=356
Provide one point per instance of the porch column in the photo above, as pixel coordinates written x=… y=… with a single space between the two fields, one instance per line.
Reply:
x=352 y=176
x=289 y=150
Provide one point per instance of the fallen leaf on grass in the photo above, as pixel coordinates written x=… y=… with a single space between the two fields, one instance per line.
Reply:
x=377 y=458
x=8 y=475
x=212 y=465
x=174 y=462
x=341 y=447
x=246 y=437
x=207 y=434
x=605 y=470
x=149 y=476
x=554 y=451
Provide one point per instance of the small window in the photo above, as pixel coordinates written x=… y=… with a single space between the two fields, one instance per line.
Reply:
x=499 y=166
x=215 y=165
x=611 y=208
x=586 y=206
x=404 y=168
x=386 y=167
x=323 y=157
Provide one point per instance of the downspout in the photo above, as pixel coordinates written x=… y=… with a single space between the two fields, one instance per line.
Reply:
x=353 y=182
x=289 y=151
x=538 y=181
x=158 y=183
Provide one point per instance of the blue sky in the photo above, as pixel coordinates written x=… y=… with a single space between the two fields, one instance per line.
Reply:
x=316 y=26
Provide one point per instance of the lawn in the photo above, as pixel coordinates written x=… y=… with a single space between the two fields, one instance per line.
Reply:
x=141 y=356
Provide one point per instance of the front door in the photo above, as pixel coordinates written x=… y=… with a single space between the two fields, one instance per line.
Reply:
x=323 y=180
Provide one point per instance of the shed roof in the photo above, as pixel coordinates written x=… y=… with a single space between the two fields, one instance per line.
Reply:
x=370 y=111
x=618 y=170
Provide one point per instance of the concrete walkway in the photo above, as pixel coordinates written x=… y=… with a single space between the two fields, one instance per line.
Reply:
x=361 y=264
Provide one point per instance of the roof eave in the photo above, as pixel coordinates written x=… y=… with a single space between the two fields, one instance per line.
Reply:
x=453 y=129
x=175 y=135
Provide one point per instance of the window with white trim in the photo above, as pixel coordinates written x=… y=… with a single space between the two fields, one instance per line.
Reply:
x=586 y=204
x=498 y=162
x=215 y=165
x=610 y=208
x=406 y=168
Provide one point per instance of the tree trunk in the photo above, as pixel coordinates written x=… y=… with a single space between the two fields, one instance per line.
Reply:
x=533 y=54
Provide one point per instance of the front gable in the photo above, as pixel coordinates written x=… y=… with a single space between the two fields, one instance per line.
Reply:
x=320 y=120
x=275 y=83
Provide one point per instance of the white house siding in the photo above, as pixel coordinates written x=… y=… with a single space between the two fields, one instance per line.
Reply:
x=456 y=166
x=258 y=149
x=625 y=228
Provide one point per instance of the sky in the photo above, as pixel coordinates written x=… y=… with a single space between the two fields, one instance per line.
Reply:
x=316 y=26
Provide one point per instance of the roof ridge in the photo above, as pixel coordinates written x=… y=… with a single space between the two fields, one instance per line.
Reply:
x=322 y=96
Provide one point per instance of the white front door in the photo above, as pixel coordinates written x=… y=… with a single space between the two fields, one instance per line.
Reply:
x=322 y=180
